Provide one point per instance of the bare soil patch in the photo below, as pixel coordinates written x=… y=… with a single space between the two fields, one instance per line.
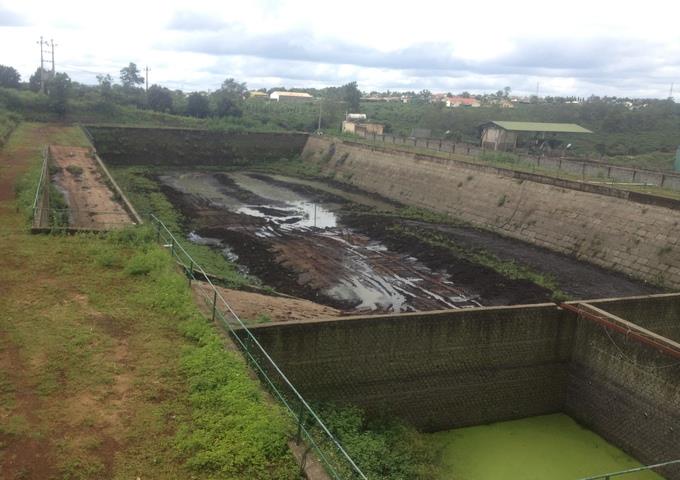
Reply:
x=92 y=204
x=256 y=307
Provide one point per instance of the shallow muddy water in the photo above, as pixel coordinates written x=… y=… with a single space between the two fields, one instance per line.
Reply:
x=338 y=245
x=308 y=238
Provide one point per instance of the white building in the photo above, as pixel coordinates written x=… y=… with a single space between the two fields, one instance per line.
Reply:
x=290 y=96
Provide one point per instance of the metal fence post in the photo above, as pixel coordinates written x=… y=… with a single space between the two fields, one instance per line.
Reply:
x=214 y=305
x=191 y=271
x=172 y=247
x=301 y=417
x=158 y=231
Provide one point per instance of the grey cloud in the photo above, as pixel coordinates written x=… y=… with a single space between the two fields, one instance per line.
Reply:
x=563 y=57
x=596 y=65
x=8 y=18
x=196 y=21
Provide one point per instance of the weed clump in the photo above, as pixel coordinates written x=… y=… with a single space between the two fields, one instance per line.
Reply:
x=74 y=170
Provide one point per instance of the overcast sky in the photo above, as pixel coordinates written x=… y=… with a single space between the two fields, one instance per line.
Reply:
x=579 y=47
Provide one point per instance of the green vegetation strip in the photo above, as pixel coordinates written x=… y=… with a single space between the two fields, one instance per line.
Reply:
x=507 y=268
x=145 y=194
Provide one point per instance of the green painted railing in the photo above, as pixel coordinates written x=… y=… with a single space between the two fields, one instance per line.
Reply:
x=607 y=476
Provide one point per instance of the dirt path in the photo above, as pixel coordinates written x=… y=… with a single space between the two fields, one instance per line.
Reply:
x=92 y=204
x=256 y=307
x=77 y=376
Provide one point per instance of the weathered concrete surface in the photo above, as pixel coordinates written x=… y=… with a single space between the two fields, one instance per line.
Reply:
x=184 y=147
x=448 y=369
x=436 y=370
x=626 y=392
x=632 y=233
x=661 y=316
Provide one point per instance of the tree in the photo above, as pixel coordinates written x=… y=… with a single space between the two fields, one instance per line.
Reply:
x=130 y=77
x=506 y=91
x=198 y=105
x=59 y=88
x=34 y=81
x=9 y=77
x=229 y=97
x=350 y=93
x=159 y=98
x=233 y=88
x=228 y=107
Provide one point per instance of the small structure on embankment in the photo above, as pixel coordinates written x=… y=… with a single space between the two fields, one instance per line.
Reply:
x=497 y=135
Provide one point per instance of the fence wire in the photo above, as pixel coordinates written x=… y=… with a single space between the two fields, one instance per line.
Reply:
x=310 y=428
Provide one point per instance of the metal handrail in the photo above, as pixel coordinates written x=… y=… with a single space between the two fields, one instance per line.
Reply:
x=40 y=180
x=607 y=476
x=193 y=265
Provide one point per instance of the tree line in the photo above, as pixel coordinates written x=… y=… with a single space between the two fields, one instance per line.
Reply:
x=227 y=101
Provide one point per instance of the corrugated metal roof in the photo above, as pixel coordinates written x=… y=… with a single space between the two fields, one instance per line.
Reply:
x=541 y=127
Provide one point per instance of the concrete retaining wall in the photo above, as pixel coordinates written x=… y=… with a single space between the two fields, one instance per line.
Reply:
x=626 y=392
x=449 y=369
x=661 y=317
x=437 y=370
x=183 y=147
x=584 y=167
x=634 y=233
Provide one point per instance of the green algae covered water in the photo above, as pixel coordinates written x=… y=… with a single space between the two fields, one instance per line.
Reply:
x=551 y=447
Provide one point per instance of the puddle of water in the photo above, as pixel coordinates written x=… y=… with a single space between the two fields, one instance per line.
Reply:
x=346 y=266
x=201 y=184
x=300 y=214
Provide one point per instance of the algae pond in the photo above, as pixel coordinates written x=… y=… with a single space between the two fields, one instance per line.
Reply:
x=551 y=447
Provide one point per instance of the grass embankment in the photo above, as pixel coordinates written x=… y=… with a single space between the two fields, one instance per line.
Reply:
x=536 y=448
x=8 y=121
x=384 y=448
x=107 y=369
x=145 y=194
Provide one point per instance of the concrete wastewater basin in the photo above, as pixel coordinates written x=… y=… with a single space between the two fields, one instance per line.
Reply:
x=297 y=237
x=309 y=237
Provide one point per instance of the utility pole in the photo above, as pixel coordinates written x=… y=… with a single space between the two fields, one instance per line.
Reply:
x=42 y=64
x=146 y=76
x=318 y=129
x=52 y=45
x=670 y=94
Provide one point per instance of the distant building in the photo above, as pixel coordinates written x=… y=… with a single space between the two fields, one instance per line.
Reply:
x=355 y=123
x=257 y=94
x=290 y=96
x=505 y=103
x=504 y=135
x=455 y=102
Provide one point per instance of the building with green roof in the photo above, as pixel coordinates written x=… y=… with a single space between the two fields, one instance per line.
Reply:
x=497 y=135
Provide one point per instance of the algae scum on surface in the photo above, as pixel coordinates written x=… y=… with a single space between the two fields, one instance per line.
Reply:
x=551 y=447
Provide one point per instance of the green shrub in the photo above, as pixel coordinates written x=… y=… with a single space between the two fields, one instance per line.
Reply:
x=145 y=262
